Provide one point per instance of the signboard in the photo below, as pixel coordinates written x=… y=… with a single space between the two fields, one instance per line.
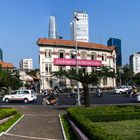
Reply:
x=80 y=62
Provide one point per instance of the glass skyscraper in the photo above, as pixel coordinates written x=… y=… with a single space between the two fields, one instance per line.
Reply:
x=1 y=55
x=52 y=32
x=117 y=43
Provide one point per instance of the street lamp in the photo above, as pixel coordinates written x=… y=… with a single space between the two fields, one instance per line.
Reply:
x=43 y=75
x=120 y=75
x=76 y=50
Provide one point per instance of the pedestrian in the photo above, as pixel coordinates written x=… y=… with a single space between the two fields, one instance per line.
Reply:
x=133 y=92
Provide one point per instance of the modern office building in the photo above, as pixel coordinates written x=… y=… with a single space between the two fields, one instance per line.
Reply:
x=134 y=61
x=56 y=54
x=26 y=64
x=1 y=55
x=52 y=31
x=79 y=26
x=117 y=43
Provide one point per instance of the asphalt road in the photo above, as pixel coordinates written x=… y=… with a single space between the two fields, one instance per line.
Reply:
x=107 y=98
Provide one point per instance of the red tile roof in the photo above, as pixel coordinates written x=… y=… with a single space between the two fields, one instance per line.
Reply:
x=6 y=65
x=46 y=41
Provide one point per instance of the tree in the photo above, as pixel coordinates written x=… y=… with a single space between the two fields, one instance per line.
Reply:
x=136 y=78
x=9 y=79
x=127 y=74
x=124 y=75
x=86 y=78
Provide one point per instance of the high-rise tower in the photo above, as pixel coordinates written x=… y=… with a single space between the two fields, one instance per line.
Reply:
x=79 y=26
x=117 y=43
x=134 y=61
x=1 y=55
x=52 y=32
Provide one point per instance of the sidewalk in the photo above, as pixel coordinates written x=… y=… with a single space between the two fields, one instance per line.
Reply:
x=38 y=123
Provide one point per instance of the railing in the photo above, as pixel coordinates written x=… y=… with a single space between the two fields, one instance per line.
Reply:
x=80 y=135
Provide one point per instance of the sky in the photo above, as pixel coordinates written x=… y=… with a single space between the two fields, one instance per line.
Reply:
x=23 y=22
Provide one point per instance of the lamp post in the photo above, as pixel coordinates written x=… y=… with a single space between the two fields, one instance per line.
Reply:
x=120 y=75
x=43 y=75
x=76 y=50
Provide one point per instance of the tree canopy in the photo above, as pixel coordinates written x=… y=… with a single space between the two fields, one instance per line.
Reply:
x=86 y=78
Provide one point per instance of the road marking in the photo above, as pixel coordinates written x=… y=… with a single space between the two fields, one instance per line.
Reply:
x=1 y=134
x=37 y=138
x=63 y=131
x=14 y=124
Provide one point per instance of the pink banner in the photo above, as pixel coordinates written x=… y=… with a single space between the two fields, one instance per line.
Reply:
x=81 y=62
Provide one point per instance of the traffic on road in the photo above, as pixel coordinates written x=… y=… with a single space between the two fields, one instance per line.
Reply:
x=108 y=97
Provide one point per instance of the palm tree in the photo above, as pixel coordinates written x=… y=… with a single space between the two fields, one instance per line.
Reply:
x=86 y=78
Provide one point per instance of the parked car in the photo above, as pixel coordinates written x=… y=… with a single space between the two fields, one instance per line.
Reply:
x=123 y=89
x=20 y=95
x=138 y=96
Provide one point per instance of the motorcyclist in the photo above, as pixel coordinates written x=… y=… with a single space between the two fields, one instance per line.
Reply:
x=98 y=92
x=51 y=98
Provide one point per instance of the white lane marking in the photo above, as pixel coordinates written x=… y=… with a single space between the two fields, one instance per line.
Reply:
x=63 y=131
x=37 y=138
x=1 y=134
x=14 y=124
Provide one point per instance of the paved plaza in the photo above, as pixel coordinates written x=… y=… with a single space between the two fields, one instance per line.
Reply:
x=38 y=123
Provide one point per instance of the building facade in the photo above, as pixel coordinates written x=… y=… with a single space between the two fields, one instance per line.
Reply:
x=79 y=26
x=6 y=65
x=134 y=61
x=52 y=31
x=26 y=64
x=117 y=43
x=1 y=55
x=57 y=54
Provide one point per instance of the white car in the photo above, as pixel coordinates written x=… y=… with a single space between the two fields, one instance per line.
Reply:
x=138 y=96
x=21 y=95
x=123 y=89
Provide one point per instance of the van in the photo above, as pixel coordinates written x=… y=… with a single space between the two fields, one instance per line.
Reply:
x=20 y=95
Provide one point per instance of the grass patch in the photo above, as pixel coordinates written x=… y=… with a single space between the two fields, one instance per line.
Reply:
x=10 y=122
x=126 y=130
x=68 y=131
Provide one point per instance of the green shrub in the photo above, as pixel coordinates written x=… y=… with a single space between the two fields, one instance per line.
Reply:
x=108 y=113
x=85 y=117
x=92 y=131
x=7 y=112
x=9 y=123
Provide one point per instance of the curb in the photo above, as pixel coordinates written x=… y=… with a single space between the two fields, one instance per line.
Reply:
x=11 y=126
x=6 y=119
x=62 y=128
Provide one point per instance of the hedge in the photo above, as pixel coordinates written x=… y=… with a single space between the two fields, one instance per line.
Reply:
x=85 y=118
x=7 y=112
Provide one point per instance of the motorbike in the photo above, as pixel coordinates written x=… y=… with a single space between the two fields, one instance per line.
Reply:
x=50 y=99
x=98 y=93
x=72 y=95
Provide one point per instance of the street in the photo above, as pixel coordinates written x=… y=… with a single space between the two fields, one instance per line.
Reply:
x=107 y=98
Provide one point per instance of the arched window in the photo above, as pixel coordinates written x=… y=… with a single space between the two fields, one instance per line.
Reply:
x=72 y=54
x=48 y=53
x=83 y=55
x=61 y=54
x=104 y=57
x=93 y=56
